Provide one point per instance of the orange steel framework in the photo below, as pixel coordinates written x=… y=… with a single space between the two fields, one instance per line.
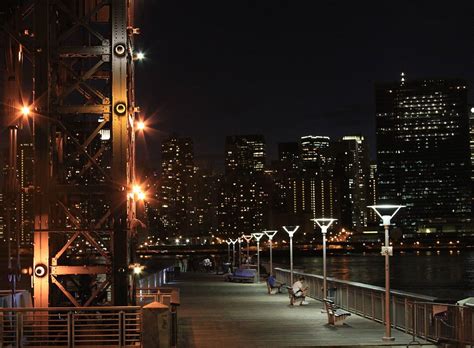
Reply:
x=83 y=117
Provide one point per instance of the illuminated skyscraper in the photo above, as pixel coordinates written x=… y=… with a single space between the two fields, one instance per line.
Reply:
x=25 y=180
x=311 y=147
x=177 y=170
x=471 y=141
x=352 y=173
x=423 y=153
x=244 y=154
x=243 y=200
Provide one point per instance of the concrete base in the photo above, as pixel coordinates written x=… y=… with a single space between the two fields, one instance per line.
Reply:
x=388 y=338
x=156 y=326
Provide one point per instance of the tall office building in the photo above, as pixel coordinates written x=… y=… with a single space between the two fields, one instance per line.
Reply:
x=245 y=154
x=311 y=147
x=423 y=153
x=372 y=218
x=177 y=170
x=471 y=140
x=352 y=155
x=243 y=200
x=25 y=180
x=289 y=156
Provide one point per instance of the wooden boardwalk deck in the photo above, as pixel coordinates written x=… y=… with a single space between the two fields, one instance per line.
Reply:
x=215 y=313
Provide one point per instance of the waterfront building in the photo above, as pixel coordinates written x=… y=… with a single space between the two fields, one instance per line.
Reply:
x=352 y=172
x=25 y=180
x=244 y=154
x=423 y=153
x=372 y=218
x=242 y=201
x=177 y=171
x=311 y=147
x=471 y=141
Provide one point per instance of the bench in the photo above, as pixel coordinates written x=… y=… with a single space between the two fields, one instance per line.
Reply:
x=277 y=286
x=336 y=316
x=243 y=275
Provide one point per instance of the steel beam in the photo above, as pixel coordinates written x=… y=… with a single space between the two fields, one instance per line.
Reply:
x=42 y=138
x=84 y=84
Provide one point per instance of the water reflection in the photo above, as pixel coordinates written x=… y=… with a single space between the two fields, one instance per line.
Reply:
x=444 y=274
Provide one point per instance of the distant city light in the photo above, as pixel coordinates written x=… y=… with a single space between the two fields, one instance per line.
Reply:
x=140 y=56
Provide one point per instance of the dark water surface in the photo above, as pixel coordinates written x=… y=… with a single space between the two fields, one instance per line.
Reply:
x=443 y=274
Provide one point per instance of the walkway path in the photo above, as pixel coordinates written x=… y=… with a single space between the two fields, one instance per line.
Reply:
x=215 y=313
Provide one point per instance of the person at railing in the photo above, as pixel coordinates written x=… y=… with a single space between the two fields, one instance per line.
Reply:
x=300 y=290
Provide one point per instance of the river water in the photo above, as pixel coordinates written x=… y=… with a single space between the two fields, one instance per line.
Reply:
x=442 y=274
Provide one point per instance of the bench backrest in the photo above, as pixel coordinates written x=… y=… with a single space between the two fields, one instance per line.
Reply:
x=330 y=306
x=242 y=272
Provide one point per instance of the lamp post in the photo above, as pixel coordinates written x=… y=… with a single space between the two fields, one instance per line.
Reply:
x=233 y=252
x=291 y=233
x=270 y=235
x=228 y=250
x=324 y=224
x=383 y=211
x=247 y=238
x=258 y=236
x=240 y=253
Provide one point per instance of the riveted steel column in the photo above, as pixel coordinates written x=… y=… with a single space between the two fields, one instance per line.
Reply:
x=42 y=143
x=120 y=150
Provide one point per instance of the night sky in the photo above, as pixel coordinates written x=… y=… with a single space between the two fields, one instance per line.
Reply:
x=287 y=68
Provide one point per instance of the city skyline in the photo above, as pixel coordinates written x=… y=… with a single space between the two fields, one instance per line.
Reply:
x=238 y=68
x=216 y=158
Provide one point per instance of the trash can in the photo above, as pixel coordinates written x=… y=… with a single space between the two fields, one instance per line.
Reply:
x=169 y=275
x=177 y=271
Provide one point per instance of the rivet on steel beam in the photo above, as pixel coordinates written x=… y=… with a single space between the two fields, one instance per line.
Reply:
x=120 y=109
x=119 y=50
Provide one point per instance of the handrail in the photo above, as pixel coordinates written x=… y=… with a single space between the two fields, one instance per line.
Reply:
x=362 y=285
x=412 y=313
x=71 y=309
x=114 y=326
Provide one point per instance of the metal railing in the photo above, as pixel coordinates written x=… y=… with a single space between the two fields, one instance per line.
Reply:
x=70 y=327
x=411 y=313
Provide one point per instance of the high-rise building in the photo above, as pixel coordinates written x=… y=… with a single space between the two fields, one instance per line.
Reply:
x=372 y=195
x=177 y=170
x=311 y=146
x=243 y=199
x=25 y=180
x=289 y=156
x=423 y=153
x=353 y=176
x=471 y=141
x=244 y=154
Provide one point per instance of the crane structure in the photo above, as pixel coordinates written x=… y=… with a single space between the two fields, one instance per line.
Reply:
x=83 y=119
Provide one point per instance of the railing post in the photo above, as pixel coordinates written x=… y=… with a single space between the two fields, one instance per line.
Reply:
x=70 y=329
x=19 y=329
x=122 y=329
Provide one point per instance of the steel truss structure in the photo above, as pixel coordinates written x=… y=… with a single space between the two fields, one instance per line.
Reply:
x=83 y=123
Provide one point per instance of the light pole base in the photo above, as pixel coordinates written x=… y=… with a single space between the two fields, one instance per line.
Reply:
x=388 y=338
